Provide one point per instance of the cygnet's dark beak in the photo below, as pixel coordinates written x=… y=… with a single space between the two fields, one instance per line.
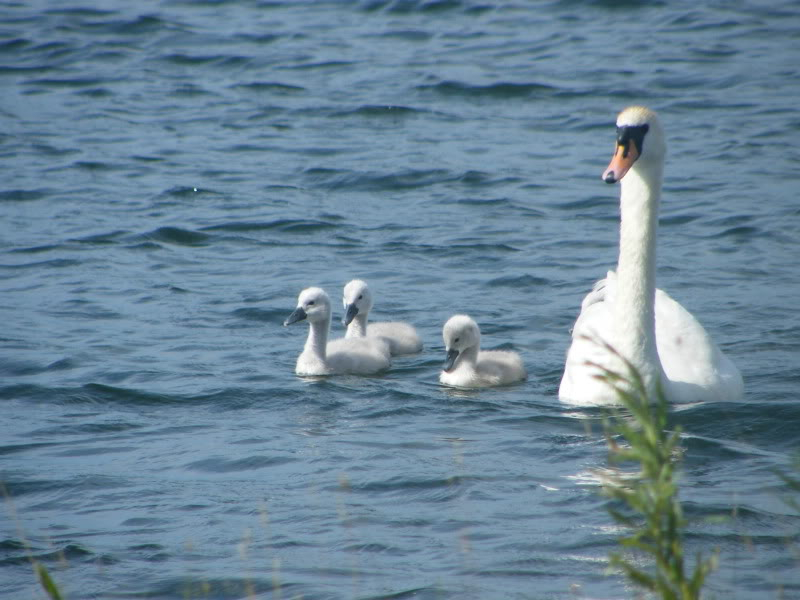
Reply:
x=452 y=357
x=350 y=314
x=298 y=314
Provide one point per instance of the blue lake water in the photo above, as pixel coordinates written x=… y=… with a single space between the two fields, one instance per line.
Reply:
x=175 y=172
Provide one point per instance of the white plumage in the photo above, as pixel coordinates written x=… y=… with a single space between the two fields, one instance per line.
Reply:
x=401 y=338
x=643 y=324
x=467 y=366
x=365 y=356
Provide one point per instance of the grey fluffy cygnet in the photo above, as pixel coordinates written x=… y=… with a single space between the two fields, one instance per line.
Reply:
x=356 y=356
x=402 y=338
x=467 y=366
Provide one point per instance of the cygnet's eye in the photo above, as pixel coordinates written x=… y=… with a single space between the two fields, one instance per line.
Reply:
x=456 y=340
x=361 y=296
x=310 y=303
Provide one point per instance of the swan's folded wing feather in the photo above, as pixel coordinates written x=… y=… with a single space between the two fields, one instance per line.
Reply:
x=601 y=291
x=357 y=356
x=580 y=379
x=499 y=367
x=401 y=337
x=687 y=352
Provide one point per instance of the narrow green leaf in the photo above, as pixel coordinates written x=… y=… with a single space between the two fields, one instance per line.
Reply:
x=47 y=582
x=647 y=502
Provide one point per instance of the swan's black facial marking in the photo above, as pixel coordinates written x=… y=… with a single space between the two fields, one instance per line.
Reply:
x=631 y=133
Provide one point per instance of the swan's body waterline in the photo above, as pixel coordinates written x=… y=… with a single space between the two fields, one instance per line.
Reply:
x=338 y=357
x=659 y=337
x=401 y=338
x=467 y=366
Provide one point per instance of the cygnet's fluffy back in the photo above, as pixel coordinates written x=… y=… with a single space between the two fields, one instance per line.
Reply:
x=338 y=357
x=401 y=338
x=358 y=357
x=467 y=366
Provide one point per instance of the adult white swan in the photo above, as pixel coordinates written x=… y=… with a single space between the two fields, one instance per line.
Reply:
x=401 y=338
x=364 y=356
x=468 y=366
x=643 y=324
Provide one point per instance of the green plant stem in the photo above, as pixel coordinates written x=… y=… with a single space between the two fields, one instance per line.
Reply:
x=651 y=508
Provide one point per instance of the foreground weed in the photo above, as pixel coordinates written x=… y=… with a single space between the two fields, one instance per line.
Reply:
x=650 y=508
x=792 y=485
x=47 y=582
x=43 y=575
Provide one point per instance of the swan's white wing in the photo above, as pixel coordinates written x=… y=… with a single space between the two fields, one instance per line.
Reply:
x=500 y=367
x=696 y=367
x=579 y=384
x=401 y=337
x=357 y=356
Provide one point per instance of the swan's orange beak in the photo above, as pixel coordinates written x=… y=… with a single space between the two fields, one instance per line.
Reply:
x=624 y=157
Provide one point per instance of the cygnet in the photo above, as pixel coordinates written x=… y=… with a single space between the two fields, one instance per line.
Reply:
x=357 y=356
x=469 y=367
x=402 y=338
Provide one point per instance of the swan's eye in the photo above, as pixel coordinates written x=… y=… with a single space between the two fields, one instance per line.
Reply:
x=310 y=303
x=361 y=296
x=455 y=341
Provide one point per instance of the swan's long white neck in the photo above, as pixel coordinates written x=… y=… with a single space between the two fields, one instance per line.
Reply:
x=468 y=357
x=634 y=306
x=358 y=326
x=317 y=340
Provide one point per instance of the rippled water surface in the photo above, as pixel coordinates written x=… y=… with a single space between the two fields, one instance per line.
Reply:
x=174 y=173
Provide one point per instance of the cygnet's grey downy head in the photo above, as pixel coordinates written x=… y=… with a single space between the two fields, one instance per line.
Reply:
x=357 y=299
x=313 y=304
x=459 y=333
x=640 y=141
